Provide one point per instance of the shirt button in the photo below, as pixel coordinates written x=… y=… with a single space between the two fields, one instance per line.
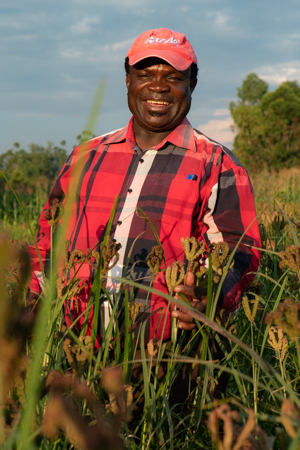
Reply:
x=129 y=190
x=141 y=160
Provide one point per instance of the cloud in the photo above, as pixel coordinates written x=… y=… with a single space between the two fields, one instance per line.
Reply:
x=11 y=24
x=128 y=4
x=71 y=53
x=84 y=25
x=119 y=46
x=223 y=21
x=278 y=73
x=35 y=115
x=285 y=43
x=69 y=95
x=20 y=37
x=222 y=112
x=185 y=8
x=70 y=79
x=21 y=20
x=109 y=52
x=219 y=130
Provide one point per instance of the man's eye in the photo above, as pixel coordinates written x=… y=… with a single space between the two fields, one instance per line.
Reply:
x=174 y=78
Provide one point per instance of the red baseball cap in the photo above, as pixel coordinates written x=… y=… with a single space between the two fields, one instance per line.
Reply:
x=166 y=44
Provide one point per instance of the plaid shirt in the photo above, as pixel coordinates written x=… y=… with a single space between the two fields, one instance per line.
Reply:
x=188 y=185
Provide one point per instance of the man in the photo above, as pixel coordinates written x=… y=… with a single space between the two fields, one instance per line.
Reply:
x=184 y=182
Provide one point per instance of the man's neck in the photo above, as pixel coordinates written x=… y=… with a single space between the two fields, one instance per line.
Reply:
x=147 y=139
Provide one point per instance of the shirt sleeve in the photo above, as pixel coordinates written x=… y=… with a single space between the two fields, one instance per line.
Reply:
x=230 y=216
x=41 y=254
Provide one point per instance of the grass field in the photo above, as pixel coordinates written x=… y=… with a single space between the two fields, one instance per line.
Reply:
x=58 y=393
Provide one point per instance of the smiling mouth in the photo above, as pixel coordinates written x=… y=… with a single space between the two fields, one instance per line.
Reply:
x=157 y=102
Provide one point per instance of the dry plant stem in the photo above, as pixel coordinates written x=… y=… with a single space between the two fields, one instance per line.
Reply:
x=175 y=275
x=249 y=426
x=235 y=437
x=60 y=414
x=280 y=345
x=290 y=418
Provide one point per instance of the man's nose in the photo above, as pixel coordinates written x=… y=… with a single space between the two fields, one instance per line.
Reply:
x=159 y=85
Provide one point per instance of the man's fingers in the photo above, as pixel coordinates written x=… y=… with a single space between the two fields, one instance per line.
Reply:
x=199 y=306
x=190 y=279
x=194 y=292
x=183 y=317
x=186 y=326
x=185 y=290
x=186 y=321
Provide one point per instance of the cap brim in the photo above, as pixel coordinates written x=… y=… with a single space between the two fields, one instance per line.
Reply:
x=174 y=59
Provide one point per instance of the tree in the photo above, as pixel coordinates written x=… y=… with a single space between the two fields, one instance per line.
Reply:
x=252 y=89
x=267 y=124
x=27 y=170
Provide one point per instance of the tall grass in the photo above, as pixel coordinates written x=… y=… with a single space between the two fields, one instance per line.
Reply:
x=58 y=392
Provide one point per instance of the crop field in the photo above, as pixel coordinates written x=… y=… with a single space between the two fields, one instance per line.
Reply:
x=58 y=392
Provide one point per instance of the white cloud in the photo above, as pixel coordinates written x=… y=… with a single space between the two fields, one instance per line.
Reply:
x=69 y=95
x=223 y=21
x=22 y=20
x=185 y=8
x=110 y=52
x=84 y=26
x=71 y=53
x=219 y=130
x=20 y=37
x=128 y=4
x=11 y=24
x=222 y=112
x=285 y=43
x=278 y=73
x=120 y=46
x=35 y=115
x=69 y=79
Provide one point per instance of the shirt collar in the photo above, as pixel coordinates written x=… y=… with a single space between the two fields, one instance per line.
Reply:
x=182 y=136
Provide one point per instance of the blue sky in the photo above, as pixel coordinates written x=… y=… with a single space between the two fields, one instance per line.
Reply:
x=53 y=54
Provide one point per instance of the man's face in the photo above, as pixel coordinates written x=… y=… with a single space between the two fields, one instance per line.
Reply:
x=159 y=96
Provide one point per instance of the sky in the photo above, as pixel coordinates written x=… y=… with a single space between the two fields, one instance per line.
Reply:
x=54 y=54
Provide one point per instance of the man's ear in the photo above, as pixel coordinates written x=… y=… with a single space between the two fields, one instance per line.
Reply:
x=193 y=84
x=127 y=80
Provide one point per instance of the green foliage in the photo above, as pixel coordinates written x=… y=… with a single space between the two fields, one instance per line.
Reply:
x=38 y=167
x=267 y=124
x=31 y=174
x=252 y=90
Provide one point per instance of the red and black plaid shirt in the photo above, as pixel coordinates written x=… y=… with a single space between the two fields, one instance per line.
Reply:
x=188 y=185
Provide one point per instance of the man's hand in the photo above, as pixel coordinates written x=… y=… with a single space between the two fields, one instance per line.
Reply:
x=198 y=301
